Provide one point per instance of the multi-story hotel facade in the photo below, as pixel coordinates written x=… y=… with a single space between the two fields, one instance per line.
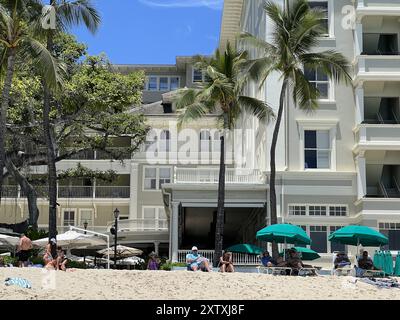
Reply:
x=337 y=166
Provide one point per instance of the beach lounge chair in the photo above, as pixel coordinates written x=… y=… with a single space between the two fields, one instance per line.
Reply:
x=307 y=271
x=273 y=270
x=342 y=271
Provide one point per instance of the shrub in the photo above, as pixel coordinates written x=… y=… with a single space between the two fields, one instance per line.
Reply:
x=10 y=260
x=37 y=260
x=76 y=264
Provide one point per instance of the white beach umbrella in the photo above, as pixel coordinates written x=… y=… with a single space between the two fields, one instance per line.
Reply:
x=72 y=239
x=8 y=241
x=122 y=251
x=131 y=261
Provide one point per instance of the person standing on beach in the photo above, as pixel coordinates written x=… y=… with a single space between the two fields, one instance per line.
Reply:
x=153 y=263
x=24 y=250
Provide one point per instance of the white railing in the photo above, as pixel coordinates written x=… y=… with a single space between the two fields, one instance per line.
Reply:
x=211 y=175
x=133 y=225
x=239 y=259
x=121 y=192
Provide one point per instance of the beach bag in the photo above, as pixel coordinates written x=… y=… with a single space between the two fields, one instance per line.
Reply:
x=23 y=283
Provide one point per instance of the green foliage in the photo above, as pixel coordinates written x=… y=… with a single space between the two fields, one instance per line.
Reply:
x=168 y=266
x=36 y=234
x=76 y=265
x=37 y=260
x=82 y=172
x=10 y=260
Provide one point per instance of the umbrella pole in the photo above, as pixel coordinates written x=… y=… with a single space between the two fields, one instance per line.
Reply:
x=284 y=251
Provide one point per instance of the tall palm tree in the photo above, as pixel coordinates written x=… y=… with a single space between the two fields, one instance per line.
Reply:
x=296 y=29
x=222 y=92
x=18 y=40
x=68 y=14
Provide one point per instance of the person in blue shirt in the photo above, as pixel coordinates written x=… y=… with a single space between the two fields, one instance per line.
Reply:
x=196 y=261
x=267 y=260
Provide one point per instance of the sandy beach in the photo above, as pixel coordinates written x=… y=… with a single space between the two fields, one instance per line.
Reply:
x=178 y=285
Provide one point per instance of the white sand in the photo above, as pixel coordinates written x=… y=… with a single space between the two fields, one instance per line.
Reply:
x=150 y=285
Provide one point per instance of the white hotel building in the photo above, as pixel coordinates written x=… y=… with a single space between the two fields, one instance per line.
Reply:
x=337 y=166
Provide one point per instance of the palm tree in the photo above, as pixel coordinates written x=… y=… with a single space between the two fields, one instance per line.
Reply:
x=68 y=14
x=222 y=91
x=296 y=29
x=18 y=40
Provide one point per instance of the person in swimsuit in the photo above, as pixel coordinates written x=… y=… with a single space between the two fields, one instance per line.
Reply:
x=49 y=262
x=24 y=250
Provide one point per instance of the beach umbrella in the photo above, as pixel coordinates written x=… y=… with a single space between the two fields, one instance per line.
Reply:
x=245 y=248
x=306 y=253
x=283 y=233
x=397 y=266
x=356 y=235
x=122 y=251
x=8 y=241
x=388 y=262
x=131 y=261
x=72 y=239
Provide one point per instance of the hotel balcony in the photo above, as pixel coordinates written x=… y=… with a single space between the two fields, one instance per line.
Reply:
x=211 y=176
x=73 y=192
x=377 y=8
x=135 y=225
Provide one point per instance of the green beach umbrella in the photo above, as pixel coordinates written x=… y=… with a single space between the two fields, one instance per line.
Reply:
x=397 y=266
x=245 y=248
x=283 y=233
x=306 y=253
x=356 y=235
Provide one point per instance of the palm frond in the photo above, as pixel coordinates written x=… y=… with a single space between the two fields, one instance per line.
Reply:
x=258 y=108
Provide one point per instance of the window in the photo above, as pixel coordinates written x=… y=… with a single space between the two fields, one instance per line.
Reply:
x=86 y=215
x=297 y=210
x=163 y=84
x=152 y=84
x=69 y=218
x=216 y=141
x=317 y=151
x=165 y=141
x=151 y=140
x=174 y=83
x=319 y=80
x=197 y=75
x=150 y=178
x=322 y=5
x=205 y=139
x=154 y=218
x=334 y=245
x=319 y=240
x=317 y=211
x=392 y=231
x=155 y=177
x=337 y=211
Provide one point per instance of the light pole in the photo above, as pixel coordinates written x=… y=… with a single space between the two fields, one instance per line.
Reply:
x=85 y=225
x=116 y=215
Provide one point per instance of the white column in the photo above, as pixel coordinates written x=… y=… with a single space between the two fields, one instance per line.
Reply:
x=361 y=175
x=134 y=185
x=174 y=232
x=358 y=38
x=359 y=92
x=156 y=247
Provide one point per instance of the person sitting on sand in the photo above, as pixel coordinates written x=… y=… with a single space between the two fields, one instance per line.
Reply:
x=61 y=260
x=341 y=260
x=226 y=263
x=196 y=262
x=49 y=262
x=267 y=260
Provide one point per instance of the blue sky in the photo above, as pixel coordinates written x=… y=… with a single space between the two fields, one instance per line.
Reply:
x=154 y=31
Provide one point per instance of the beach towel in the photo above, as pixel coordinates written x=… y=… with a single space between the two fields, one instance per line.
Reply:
x=381 y=283
x=23 y=283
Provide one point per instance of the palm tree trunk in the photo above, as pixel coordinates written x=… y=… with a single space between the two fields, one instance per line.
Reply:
x=273 y=211
x=30 y=192
x=5 y=98
x=219 y=228
x=51 y=155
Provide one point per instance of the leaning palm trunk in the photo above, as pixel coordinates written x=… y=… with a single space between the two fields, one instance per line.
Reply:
x=273 y=211
x=5 y=98
x=29 y=191
x=219 y=228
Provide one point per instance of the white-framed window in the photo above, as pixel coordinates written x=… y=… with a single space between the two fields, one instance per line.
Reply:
x=165 y=141
x=324 y=210
x=198 y=75
x=317 y=149
x=317 y=210
x=155 y=177
x=297 y=210
x=154 y=218
x=162 y=83
x=392 y=231
x=86 y=215
x=205 y=141
x=336 y=247
x=321 y=81
x=151 y=140
x=152 y=84
x=319 y=239
x=324 y=6
x=338 y=211
x=69 y=216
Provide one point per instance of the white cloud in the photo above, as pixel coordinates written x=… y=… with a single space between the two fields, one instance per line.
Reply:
x=212 y=4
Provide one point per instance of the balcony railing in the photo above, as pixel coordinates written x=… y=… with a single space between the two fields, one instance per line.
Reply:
x=211 y=175
x=105 y=192
x=98 y=154
x=133 y=225
x=239 y=259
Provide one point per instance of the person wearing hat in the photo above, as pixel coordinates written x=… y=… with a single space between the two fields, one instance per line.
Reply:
x=196 y=261
x=153 y=263
x=341 y=260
